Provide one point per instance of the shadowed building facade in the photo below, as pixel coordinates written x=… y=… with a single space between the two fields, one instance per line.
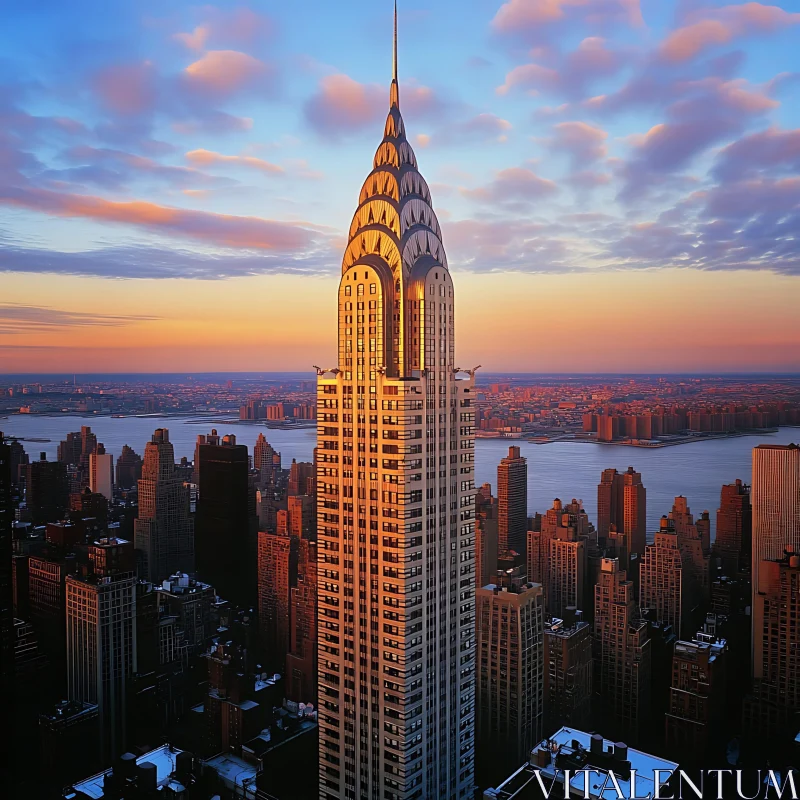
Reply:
x=512 y=502
x=395 y=500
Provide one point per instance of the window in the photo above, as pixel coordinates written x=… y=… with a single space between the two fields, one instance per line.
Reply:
x=373 y=288
x=348 y=290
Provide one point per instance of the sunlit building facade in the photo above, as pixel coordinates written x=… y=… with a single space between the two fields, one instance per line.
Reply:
x=395 y=507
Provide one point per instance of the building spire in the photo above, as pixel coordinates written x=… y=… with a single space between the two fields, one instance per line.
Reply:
x=394 y=95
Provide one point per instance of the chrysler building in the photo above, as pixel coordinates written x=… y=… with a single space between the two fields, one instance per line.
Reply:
x=396 y=537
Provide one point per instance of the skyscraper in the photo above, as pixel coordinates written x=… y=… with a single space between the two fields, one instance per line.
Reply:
x=226 y=525
x=697 y=696
x=47 y=490
x=567 y=672
x=6 y=584
x=776 y=504
x=101 y=638
x=485 y=535
x=101 y=474
x=277 y=574
x=163 y=533
x=774 y=707
x=512 y=502
x=129 y=468
x=734 y=541
x=622 y=651
x=622 y=501
x=510 y=672
x=301 y=658
x=395 y=501
x=267 y=461
x=663 y=582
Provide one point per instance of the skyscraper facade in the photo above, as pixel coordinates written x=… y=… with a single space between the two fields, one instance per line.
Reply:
x=662 y=579
x=567 y=672
x=163 y=532
x=485 y=535
x=512 y=502
x=510 y=671
x=622 y=502
x=226 y=525
x=395 y=506
x=6 y=583
x=101 y=638
x=733 y=544
x=101 y=474
x=129 y=468
x=47 y=490
x=622 y=650
x=776 y=504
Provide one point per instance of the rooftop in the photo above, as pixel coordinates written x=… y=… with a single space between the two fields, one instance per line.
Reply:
x=163 y=757
x=235 y=773
x=572 y=749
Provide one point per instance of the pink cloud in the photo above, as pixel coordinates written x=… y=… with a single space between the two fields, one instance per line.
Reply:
x=772 y=148
x=513 y=185
x=720 y=26
x=206 y=158
x=517 y=16
x=221 y=229
x=590 y=61
x=196 y=40
x=225 y=71
x=582 y=141
x=127 y=89
x=343 y=105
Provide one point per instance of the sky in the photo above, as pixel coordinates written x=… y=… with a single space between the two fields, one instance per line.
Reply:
x=618 y=181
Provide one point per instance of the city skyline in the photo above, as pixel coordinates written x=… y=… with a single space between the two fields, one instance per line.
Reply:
x=618 y=158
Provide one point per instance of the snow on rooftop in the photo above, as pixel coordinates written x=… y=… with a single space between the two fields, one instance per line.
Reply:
x=644 y=764
x=163 y=757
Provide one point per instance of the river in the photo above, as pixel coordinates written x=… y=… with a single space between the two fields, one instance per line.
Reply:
x=558 y=469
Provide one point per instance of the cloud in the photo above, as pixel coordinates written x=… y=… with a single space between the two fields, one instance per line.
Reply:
x=569 y=75
x=507 y=245
x=196 y=40
x=16 y=318
x=220 y=229
x=144 y=263
x=527 y=17
x=225 y=71
x=483 y=127
x=127 y=89
x=582 y=141
x=206 y=158
x=722 y=25
x=112 y=168
x=342 y=105
x=513 y=185
x=771 y=149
